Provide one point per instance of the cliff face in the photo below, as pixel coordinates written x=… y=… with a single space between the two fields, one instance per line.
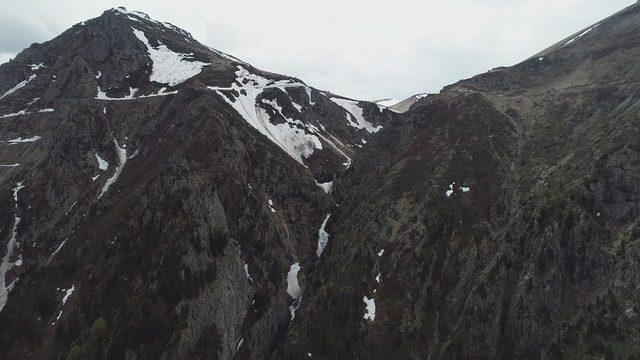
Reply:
x=162 y=199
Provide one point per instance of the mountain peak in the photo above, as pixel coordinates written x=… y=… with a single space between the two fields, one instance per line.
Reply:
x=143 y=18
x=123 y=10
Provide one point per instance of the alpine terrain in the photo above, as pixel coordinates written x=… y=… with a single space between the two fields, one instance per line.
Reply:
x=161 y=199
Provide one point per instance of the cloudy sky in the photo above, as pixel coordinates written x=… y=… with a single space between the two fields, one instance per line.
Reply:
x=361 y=49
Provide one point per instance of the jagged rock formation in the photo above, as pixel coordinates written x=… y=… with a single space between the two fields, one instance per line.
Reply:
x=162 y=199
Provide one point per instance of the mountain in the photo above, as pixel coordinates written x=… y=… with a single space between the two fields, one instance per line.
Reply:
x=496 y=219
x=165 y=200
x=156 y=193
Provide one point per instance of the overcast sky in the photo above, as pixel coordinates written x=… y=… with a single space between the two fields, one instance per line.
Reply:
x=361 y=49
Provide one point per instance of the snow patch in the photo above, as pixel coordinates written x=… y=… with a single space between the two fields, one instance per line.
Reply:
x=370 y=313
x=68 y=293
x=293 y=288
x=581 y=34
x=71 y=207
x=162 y=92
x=381 y=252
x=323 y=236
x=308 y=90
x=295 y=137
x=355 y=112
x=270 y=203
x=21 y=112
x=246 y=271
x=122 y=159
x=19 y=86
x=102 y=163
x=23 y=140
x=59 y=247
x=35 y=67
x=293 y=307
x=450 y=191
x=12 y=244
x=327 y=186
x=102 y=95
x=293 y=134
x=169 y=67
x=25 y=112
x=297 y=106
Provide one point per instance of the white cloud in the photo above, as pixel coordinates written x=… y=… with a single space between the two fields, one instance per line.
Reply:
x=366 y=50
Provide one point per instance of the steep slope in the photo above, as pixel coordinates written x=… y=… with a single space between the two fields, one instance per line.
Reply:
x=498 y=219
x=157 y=192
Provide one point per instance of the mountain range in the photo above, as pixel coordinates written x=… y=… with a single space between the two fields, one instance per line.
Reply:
x=162 y=199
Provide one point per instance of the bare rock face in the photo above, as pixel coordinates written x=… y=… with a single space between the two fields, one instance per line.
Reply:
x=159 y=196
